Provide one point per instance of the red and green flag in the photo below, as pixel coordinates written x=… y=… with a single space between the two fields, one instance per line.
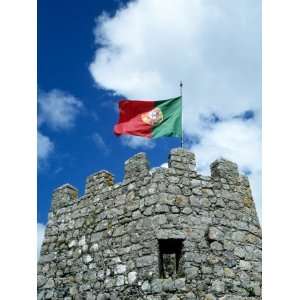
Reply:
x=151 y=119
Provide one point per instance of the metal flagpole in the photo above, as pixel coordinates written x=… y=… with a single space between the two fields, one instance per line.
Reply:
x=181 y=85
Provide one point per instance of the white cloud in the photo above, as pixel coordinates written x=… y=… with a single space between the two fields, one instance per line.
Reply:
x=238 y=141
x=98 y=140
x=40 y=237
x=234 y=139
x=58 y=109
x=137 y=142
x=213 y=46
x=44 y=147
x=164 y=165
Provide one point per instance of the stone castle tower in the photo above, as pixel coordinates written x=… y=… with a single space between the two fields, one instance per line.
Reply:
x=161 y=234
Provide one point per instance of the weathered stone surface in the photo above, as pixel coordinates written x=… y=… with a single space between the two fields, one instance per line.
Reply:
x=156 y=285
x=192 y=272
x=168 y=285
x=216 y=246
x=218 y=286
x=180 y=284
x=145 y=261
x=107 y=245
x=245 y=265
x=240 y=252
x=146 y=286
x=210 y=297
x=215 y=234
x=132 y=276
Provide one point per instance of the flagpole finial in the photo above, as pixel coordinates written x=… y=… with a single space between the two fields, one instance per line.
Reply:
x=180 y=85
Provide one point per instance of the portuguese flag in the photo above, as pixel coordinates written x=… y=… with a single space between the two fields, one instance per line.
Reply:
x=150 y=119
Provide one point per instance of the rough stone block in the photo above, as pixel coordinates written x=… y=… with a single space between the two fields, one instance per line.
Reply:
x=215 y=234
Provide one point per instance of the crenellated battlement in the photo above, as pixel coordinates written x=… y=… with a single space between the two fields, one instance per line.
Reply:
x=161 y=233
x=180 y=162
x=98 y=181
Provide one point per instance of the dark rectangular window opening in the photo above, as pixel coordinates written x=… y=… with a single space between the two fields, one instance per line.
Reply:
x=170 y=258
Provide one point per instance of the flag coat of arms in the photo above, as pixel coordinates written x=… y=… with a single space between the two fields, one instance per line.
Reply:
x=150 y=119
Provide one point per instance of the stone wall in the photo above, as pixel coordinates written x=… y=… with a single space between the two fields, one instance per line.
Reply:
x=164 y=233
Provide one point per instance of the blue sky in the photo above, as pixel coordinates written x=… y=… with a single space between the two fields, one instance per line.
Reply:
x=65 y=49
x=92 y=53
